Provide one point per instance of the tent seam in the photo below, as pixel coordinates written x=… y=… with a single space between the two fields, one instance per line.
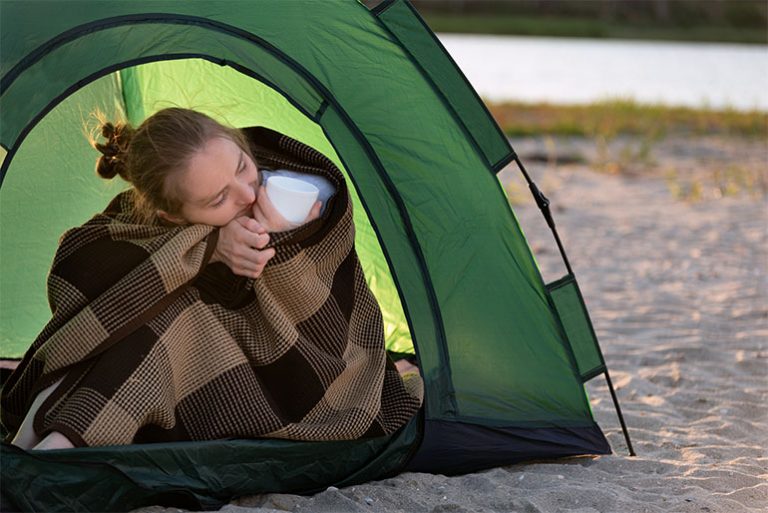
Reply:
x=510 y=151
x=135 y=62
x=432 y=297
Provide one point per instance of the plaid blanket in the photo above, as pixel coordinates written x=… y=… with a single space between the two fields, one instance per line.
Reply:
x=154 y=344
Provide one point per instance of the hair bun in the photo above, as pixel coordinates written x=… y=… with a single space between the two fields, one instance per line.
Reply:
x=112 y=163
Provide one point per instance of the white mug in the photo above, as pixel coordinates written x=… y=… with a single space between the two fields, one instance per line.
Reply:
x=292 y=198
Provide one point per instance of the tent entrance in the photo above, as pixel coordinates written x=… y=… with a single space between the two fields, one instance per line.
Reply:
x=53 y=170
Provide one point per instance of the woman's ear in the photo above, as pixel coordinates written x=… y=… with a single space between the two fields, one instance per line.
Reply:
x=162 y=214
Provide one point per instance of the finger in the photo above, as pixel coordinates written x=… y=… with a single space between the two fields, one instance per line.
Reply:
x=262 y=240
x=258 y=215
x=251 y=224
x=251 y=244
x=251 y=259
x=264 y=204
x=256 y=268
x=265 y=256
x=243 y=221
x=245 y=239
x=267 y=207
x=315 y=212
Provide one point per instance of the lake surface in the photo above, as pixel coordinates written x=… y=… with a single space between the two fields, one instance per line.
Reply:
x=569 y=70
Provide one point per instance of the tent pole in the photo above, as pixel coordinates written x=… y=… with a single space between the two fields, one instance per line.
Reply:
x=618 y=412
x=543 y=203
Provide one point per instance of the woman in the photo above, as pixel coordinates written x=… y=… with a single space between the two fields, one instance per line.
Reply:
x=190 y=309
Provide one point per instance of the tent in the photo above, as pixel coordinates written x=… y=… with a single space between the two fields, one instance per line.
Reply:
x=504 y=356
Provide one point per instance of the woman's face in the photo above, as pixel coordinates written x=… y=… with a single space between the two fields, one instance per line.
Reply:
x=218 y=185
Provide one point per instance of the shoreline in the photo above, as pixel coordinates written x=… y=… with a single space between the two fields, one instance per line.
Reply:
x=626 y=117
x=596 y=22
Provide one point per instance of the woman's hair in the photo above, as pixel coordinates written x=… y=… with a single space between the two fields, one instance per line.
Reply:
x=162 y=145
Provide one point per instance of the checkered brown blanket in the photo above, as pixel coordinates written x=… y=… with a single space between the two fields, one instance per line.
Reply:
x=154 y=344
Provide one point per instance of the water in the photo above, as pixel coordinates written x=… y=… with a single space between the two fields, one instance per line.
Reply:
x=560 y=70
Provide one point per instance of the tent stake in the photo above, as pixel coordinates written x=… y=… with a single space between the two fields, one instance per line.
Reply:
x=618 y=412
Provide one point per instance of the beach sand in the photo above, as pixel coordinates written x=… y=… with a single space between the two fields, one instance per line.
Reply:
x=678 y=293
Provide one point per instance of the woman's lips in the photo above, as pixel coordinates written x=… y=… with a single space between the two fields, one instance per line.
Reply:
x=247 y=212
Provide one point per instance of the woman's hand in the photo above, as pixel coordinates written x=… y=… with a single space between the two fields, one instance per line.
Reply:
x=241 y=247
x=267 y=215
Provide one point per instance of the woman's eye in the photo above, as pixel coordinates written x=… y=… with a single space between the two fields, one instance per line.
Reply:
x=219 y=202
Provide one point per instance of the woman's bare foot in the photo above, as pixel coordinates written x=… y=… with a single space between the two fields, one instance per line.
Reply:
x=26 y=438
x=54 y=440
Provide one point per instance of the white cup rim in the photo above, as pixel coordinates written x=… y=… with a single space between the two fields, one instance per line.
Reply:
x=292 y=185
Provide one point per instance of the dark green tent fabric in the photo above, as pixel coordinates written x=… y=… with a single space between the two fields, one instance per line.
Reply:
x=192 y=475
x=571 y=310
x=377 y=93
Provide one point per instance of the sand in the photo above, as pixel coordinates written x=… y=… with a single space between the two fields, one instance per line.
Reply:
x=678 y=292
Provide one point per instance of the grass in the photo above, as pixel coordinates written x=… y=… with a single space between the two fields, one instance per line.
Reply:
x=731 y=181
x=607 y=119
x=604 y=122
x=555 y=26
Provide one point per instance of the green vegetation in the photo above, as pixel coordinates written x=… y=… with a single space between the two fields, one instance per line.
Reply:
x=645 y=125
x=741 y=21
x=515 y=25
x=553 y=26
x=733 y=181
x=607 y=119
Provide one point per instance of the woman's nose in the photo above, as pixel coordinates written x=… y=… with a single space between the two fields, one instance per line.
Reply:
x=247 y=193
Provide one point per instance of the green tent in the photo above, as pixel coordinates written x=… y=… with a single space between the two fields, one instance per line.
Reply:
x=503 y=355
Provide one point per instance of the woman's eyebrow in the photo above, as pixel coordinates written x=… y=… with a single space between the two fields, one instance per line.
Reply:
x=214 y=196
